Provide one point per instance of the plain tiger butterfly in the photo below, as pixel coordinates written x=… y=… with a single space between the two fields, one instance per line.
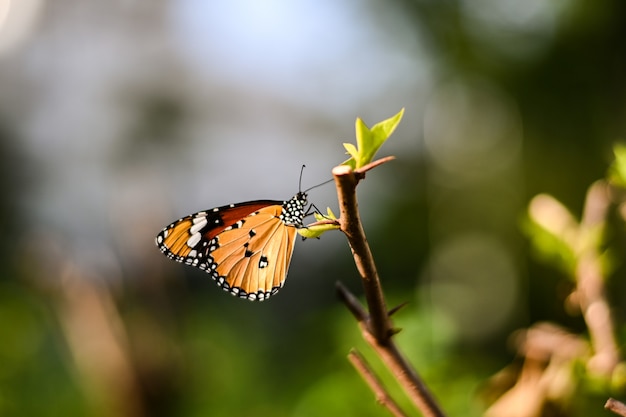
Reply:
x=245 y=247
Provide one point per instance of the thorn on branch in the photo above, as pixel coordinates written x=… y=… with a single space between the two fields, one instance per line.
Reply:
x=397 y=308
x=394 y=330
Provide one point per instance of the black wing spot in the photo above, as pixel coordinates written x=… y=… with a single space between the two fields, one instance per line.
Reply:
x=263 y=263
x=252 y=233
x=248 y=253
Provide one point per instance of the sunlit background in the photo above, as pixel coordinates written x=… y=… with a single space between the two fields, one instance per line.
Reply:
x=117 y=117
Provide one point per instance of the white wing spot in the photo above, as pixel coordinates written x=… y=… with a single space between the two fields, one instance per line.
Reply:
x=193 y=240
x=199 y=218
x=199 y=223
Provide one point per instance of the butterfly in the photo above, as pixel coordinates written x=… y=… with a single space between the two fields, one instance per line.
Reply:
x=245 y=247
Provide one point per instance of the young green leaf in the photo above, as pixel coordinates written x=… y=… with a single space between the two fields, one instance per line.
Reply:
x=370 y=140
x=354 y=154
x=554 y=232
x=549 y=248
x=315 y=231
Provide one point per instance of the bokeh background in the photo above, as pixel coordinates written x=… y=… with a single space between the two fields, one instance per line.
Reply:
x=117 y=117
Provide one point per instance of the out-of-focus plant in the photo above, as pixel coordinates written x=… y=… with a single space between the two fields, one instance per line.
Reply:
x=559 y=363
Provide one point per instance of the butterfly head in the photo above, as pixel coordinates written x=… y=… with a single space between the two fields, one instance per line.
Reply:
x=293 y=210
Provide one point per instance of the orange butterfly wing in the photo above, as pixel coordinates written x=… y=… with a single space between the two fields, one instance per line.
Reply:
x=246 y=247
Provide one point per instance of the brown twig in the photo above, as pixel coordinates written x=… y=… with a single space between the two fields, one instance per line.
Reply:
x=346 y=182
x=590 y=279
x=361 y=171
x=395 y=361
x=376 y=326
x=382 y=396
x=87 y=313
x=584 y=241
x=351 y=302
x=615 y=406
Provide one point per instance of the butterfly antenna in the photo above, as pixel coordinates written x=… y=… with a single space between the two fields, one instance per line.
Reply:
x=318 y=185
x=300 y=180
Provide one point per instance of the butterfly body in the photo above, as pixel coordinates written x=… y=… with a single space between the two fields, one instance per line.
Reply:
x=245 y=247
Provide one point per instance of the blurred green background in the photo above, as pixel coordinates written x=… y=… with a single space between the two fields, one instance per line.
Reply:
x=117 y=117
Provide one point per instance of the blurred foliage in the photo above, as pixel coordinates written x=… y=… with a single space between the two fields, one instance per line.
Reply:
x=617 y=170
x=192 y=352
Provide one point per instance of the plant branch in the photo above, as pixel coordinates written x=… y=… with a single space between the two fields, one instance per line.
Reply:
x=585 y=240
x=351 y=302
x=361 y=171
x=382 y=396
x=615 y=406
x=393 y=359
x=346 y=181
x=590 y=280
x=376 y=326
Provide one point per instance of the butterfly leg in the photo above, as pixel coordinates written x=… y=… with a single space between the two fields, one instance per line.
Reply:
x=312 y=209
